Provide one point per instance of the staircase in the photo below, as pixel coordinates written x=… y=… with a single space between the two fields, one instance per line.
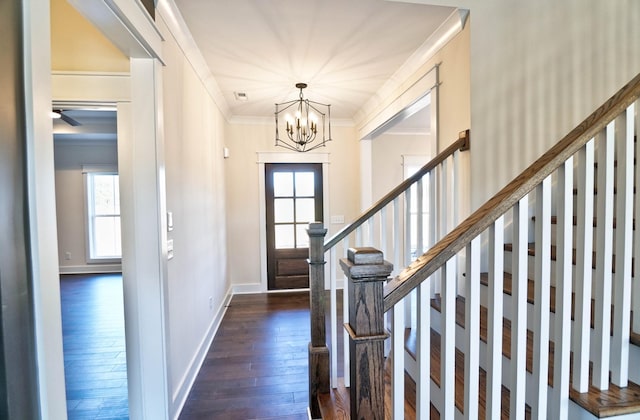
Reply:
x=526 y=309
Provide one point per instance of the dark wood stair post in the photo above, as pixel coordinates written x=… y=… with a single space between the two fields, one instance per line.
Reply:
x=318 y=350
x=367 y=272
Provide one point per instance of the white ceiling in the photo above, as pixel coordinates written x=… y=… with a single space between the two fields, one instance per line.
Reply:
x=345 y=50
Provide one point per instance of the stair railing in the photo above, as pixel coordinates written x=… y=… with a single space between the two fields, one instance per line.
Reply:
x=602 y=144
x=431 y=190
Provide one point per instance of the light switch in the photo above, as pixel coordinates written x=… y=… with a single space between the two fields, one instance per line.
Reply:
x=169 y=221
x=170 y=249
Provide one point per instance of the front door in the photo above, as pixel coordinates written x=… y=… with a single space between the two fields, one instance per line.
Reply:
x=294 y=198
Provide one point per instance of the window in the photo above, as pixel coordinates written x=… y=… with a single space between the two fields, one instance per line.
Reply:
x=103 y=216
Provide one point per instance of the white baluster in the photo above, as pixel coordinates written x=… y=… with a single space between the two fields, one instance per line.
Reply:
x=423 y=351
x=494 y=318
x=444 y=198
x=562 y=349
x=359 y=236
x=397 y=378
x=519 y=285
x=397 y=241
x=472 y=327
x=345 y=335
x=624 y=231
x=455 y=194
x=448 y=341
x=420 y=218
x=407 y=226
x=384 y=246
x=604 y=258
x=333 y=264
x=541 y=298
x=433 y=209
x=584 y=243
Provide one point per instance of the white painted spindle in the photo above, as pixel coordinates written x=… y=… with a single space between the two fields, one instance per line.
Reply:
x=604 y=258
x=448 y=340
x=624 y=219
x=423 y=351
x=541 y=298
x=397 y=376
x=333 y=262
x=584 y=243
x=408 y=198
x=345 y=316
x=519 y=285
x=562 y=341
x=494 y=319
x=472 y=328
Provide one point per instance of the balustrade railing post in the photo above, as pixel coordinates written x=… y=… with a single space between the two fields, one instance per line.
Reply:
x=318 y=350
x=367 y=272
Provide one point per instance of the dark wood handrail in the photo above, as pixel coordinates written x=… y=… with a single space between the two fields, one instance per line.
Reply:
x=458 y=238
x=460 y=144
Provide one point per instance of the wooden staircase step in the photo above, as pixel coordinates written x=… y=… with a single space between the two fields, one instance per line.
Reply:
x=507 y=287
x=459 y=377
x=335 y=404
x=531 y=251
x=506 y=333
x=614 y=401
x=554 y=221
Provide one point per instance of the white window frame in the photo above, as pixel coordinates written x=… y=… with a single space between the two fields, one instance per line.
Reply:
x=87 y=172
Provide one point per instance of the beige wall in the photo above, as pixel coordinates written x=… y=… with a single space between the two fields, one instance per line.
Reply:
x=538 y=68
x=76 y=45
x=194 y=131
x=70 y=200
x=242 y=197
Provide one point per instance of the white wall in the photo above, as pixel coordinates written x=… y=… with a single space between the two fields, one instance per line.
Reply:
x=70 y=200
x=538 y=68
x=197 y=284
x=242 y=197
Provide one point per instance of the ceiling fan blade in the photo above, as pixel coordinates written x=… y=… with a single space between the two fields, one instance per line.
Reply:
x=68 y=119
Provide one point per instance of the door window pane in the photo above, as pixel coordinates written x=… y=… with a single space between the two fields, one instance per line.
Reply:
x=283 y=210
x=305 y=185
x=302 y=238
x=283 y=184
x=305 y=210
x=284 y=236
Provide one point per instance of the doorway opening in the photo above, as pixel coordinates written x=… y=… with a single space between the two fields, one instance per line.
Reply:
x=89 y=246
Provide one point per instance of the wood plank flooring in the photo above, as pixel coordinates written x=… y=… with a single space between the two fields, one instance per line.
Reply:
x=257 y=366
x=94 y=346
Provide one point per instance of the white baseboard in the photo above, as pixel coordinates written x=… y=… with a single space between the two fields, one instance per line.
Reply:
x=90 y=269
x=182 y=391
x=243 y=289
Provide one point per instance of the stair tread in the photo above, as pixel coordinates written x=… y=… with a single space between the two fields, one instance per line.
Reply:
x=531 y=250
x=614 y=401
x=554 y=221
x=459 y=375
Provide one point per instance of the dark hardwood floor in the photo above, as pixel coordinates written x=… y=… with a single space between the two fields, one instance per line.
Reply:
x=94 y=346
x=257 y=365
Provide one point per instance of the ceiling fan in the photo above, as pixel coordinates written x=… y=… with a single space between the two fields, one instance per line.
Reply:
x=59 y=113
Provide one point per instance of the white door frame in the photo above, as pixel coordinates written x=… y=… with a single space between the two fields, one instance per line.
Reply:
x=285 y=157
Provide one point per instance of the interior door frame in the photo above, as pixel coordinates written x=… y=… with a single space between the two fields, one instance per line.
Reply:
x=284 y=157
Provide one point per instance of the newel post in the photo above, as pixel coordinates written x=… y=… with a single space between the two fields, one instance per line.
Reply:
x=318 y=350
x=367 y=272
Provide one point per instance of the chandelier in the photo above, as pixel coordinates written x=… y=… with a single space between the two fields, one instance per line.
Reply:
x=300 y=120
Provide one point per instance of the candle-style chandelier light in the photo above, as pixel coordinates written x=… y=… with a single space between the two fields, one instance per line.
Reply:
x=299 y=121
